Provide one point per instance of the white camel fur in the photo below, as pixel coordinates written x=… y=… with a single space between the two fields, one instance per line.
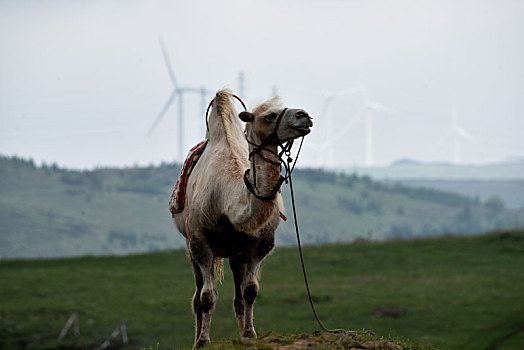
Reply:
x=221 y=218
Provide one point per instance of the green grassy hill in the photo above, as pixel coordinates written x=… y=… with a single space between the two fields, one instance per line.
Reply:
x=450 y=292
x=511 y=191
x=52 y=212
x=409 y=169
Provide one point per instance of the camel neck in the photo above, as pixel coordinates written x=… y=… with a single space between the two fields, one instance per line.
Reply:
x=266 y=172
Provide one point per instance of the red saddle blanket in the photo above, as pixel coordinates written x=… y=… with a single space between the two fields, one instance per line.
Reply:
x=178 y=198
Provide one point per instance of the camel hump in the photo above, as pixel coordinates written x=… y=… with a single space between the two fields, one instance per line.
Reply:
x=224 y=121
x=223 y=103
x=224 y=93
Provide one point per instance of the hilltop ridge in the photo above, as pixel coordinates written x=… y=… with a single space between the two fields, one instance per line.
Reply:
x=47 y=211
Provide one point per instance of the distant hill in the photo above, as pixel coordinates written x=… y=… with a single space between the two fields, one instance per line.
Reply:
x=510 y=191
x=48 y=211
x=505 y=180
x=412 y=169
x=405 y=161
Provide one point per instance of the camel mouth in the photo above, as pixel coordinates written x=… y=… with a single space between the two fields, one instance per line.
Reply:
x=304 y=125
x=303 y=129
x=299 y=123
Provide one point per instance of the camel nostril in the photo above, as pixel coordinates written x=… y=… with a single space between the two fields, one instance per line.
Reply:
x=301 y=115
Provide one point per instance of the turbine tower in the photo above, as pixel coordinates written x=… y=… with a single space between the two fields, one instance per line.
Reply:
x=274 y=91
x=241 y=84
x=370 y=107
x=204 y=92
x=456 y=134
x=178 y=91
x=326 y=111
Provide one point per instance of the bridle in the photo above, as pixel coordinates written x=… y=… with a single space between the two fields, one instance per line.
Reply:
x=285 y=150
x=258 y=148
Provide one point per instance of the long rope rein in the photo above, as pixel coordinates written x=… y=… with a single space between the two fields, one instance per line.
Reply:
x=286 y=149
x=302 y=256
x=288 y=168
x=287 y=177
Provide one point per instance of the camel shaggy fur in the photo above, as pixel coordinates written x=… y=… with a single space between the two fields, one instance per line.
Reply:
x=221 y=218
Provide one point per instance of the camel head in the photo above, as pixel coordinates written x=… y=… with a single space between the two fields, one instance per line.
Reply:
x=272 y=124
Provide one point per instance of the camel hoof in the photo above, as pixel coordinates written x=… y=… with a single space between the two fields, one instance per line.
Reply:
x=249 y=333
x=200 y=343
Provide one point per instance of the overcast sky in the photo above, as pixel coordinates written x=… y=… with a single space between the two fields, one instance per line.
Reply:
x=82 y=81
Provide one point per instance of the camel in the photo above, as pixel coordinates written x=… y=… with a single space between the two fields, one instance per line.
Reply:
x=222 y=217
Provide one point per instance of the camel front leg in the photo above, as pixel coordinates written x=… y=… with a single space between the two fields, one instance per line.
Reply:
x=203 y=256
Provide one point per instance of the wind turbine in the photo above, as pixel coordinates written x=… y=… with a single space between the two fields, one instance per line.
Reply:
x=177 y=91
x=371 y=106
x=456 y=134
x=328 y=145
x=364 y=112
x=204 y=92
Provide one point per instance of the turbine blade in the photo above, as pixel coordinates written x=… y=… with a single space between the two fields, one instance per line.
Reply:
x=317 y=147
x=167 y=61
x=349 y=125
x=190 y=90
x=442 y=140
x=162 y=112
x=325 y=108
x=463 y=133
x=346 y=92
x=381 y=108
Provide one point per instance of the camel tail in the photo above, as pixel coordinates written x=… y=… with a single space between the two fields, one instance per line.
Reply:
x=219 y=269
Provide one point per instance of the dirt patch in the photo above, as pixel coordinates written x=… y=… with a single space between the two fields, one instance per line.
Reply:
x=317 y=340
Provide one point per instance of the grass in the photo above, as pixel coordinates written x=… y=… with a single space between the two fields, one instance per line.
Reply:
x=455 y=293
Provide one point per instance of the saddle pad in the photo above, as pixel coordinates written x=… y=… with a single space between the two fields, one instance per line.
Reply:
x=178 y=198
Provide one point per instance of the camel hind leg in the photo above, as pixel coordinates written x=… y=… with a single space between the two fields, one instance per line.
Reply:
x=239 y=270
x=202 y=254
x=196 y=306
x=249 y=287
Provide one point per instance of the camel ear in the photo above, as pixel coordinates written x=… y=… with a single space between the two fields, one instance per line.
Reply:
x=246 y=116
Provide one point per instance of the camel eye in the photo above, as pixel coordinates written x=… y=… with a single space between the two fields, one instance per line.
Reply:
x=270 y=117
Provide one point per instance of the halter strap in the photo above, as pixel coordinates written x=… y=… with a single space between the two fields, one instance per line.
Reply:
x=286 y=149
x=274 y=134
x=273 y=193
x=258 y=149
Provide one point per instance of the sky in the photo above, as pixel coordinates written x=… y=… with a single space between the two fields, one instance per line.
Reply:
x=81 y=82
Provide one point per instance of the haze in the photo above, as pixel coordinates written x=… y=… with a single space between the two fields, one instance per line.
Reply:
x=81 y=82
